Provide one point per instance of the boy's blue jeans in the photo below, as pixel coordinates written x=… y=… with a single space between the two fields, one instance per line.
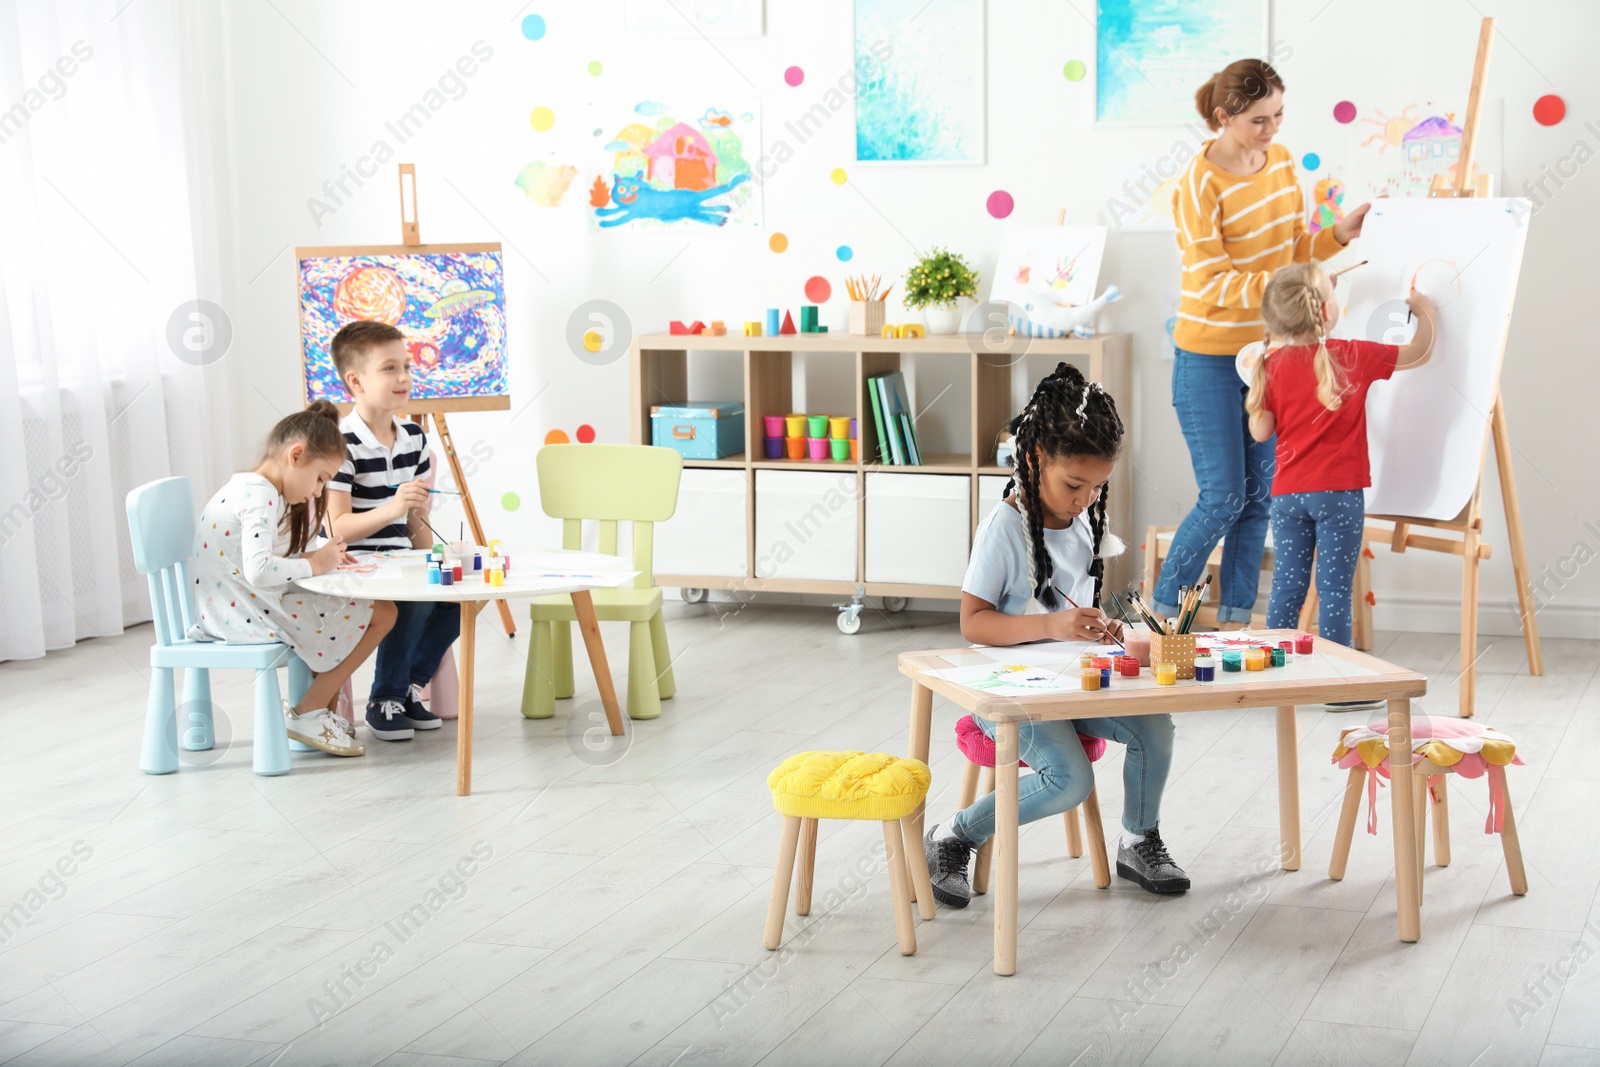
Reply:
x=1234 y=472
x=1328 y=525
x=410 y=653
x=1062 y=775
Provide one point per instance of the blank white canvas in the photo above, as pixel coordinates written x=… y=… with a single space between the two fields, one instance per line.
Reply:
x=1426 y=427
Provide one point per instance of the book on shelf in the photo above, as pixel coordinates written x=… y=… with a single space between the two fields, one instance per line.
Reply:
x=878 y=423
x=891 y=417
x=891 y=424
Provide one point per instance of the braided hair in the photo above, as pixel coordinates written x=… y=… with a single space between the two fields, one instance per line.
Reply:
x=1068 y=415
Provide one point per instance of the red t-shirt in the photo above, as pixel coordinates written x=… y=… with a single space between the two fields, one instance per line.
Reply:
x=1321 y=450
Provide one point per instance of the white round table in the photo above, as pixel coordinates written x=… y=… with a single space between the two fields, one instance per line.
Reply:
x=472 y=593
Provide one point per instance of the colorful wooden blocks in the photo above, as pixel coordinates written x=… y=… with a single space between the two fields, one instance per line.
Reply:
x=677 y=327
x=788 y=323
x=905 y=329
x=752 y=329
x=695 y=327
x=717 y=329
x=808 y=318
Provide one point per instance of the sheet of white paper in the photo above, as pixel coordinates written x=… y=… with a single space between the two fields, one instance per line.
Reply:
x=1045 y=652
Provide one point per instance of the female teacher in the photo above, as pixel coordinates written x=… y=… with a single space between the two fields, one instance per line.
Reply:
x=1240 y=217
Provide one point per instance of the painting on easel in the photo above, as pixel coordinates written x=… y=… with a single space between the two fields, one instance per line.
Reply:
x=448 y=300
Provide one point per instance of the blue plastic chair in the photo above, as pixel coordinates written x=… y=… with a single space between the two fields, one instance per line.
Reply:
x=161 y=523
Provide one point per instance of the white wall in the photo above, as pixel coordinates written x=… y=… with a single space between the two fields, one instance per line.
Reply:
x=302 y=94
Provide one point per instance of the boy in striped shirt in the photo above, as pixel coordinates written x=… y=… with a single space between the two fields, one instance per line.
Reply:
x=376 y=503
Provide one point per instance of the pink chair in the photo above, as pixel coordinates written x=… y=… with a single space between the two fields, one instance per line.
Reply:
x=979 y=750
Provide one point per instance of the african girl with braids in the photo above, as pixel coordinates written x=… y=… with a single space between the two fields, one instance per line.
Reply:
x=1036 y=574
x=1312 y=392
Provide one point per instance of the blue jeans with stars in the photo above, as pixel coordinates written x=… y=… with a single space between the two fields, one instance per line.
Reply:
x=1327 y=525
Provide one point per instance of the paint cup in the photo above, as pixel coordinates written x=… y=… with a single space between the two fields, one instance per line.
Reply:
x=1278 y=658
x=1302 y=644
x=457 y=571
x=774 y=448
x=1255 y=659
x=497 y=577
x=816 y=425
x=841 y=449
x=447 y=576
x=1105 y=677
x=773 y=425
x=1137 y=643
x=1232 y=662
x=855 y=450
x=1129 y=666
x=1166 y=673
x=1205 y=669
x=1103 y=662
x=794 y=426
x=839 y=427
x=433 y=574
x=819 y=447
x=1087 y=660
x=796 y=446
x=1090 y=679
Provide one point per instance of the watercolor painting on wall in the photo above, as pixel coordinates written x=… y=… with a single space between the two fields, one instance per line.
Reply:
x=919 y=81
x=1045 y=269
x=1396 y=151
x=1153 y=54
x=661 y=167
x=448 y=300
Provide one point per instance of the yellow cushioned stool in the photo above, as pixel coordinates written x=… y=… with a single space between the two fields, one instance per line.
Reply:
x=849 y=785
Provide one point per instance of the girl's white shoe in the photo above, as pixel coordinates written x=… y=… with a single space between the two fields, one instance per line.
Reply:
x=323 y=729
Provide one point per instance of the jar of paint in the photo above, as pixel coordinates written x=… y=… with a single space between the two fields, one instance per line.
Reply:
x=1128 y=667
x=1278 y=658
x=433 y=572
x=1287 y=646
x=1205 y=669
x=1086 y=660
x=1302 y=644
x=1103 y=662
x=1232 y=662
x=1136 y=640
x=1255 y=660
x=1091 y=679
x=1166 y=673
x=1105 y=677
x=447 y=576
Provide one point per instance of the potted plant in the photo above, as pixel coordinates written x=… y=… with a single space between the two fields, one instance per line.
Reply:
x=937 y=283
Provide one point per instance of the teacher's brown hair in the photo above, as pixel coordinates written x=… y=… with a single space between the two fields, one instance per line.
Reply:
x=1235 y=87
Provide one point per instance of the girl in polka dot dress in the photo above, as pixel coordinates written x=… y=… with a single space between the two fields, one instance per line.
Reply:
x=250 y=546
x=1312 y=392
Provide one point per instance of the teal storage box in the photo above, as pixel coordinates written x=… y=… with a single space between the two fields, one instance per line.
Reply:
x=713 y=430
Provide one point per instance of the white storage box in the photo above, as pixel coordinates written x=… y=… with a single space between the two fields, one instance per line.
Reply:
x=990 y=492
x=706 y=535
x=806 y=524
x=918 y=528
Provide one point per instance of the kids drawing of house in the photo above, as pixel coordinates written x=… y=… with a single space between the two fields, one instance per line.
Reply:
x=682 y=159
x=1432 y=145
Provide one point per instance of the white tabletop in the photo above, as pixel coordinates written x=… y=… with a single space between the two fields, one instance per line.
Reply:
x=540 y=573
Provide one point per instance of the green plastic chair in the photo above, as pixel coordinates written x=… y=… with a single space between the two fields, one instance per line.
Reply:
x=611 y=484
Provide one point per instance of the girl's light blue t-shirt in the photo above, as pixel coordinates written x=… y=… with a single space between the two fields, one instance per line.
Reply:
x=998 y=569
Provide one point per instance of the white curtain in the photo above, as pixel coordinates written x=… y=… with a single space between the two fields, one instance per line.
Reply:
x=110 y=374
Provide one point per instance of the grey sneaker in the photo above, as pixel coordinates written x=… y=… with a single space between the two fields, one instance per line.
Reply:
x=1149 y=864
x=1355 y=705
x=947 y=869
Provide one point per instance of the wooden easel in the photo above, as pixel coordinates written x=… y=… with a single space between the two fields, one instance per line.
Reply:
x=1469 y=524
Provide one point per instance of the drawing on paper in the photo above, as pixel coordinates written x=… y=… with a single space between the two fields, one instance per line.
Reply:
x=658 y=171
x=1047 y=270
x=546 y=183
x=1397 y=152
x=1327 y=204
x=919 y=81
x=1152 y=56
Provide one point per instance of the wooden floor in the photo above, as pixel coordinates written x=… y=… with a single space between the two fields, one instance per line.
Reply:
x=613 y=910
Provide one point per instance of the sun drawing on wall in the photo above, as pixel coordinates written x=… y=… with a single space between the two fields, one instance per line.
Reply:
x=669 y=172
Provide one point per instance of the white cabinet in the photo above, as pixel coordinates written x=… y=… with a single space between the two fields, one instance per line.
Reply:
x=990 y=492
x=918 y=528
x=706 y=534
x=806 y=524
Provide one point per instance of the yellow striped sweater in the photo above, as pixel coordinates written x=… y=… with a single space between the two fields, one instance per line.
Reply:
x=1235 y=230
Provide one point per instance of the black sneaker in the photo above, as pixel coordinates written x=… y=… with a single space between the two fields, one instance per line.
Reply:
x=1149 y=864
x=418 y=716
x=387 y=720
x=1355 y=705
x=947 y=869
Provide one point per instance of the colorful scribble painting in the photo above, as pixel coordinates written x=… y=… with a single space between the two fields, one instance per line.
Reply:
x=663 y=166
x=450 y=305
x=1043 y=269
x=919 y=81
x=1151 y=55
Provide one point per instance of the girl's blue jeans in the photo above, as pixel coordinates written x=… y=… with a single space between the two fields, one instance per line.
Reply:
x=1325 y=525
x=1062 y=775
x=1235 y=477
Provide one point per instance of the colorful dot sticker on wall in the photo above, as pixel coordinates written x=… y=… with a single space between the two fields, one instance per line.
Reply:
x=794 y=76
x=542 y=118
x=1344 y=111
x=778 y=242
x=557 y=437
x=1000 y=203
x=595 y=67
x=533 y=27
x=845 y=253
x=1311 y=161
x=1074 y=70
x=585 y=434
x=511 y=502
x=818 y=290
x=1549 y=110
x=839 y=176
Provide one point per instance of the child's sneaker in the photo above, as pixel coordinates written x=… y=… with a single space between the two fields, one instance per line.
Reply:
x=387 y=720
x=324 y=730
x=947 y=869
x=1149 y=864
x=419 y=716
x=1355 y=705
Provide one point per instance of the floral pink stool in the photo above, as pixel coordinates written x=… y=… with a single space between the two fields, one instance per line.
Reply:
x=979 y=750
x=1439 y=746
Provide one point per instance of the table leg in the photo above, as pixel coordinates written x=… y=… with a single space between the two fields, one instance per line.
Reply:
x=583 y=608
x=469 y=622
x=921 y=732
x=1408 y=903
x=1005 y=847
x=1288 y=790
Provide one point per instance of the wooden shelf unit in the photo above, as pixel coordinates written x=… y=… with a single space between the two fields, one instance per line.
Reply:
x=660 y=374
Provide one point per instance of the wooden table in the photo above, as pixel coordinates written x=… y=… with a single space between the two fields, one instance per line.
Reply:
x=1334 y=672
x=472 y=593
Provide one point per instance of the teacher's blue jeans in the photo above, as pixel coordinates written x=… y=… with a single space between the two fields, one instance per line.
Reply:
x=1235 y=476
x=1328 y=525
x=1062 y=774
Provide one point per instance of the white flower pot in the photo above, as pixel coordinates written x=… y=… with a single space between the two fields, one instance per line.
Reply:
x=944 y=318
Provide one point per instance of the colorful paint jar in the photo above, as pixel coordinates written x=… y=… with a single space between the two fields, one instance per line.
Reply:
x=1278 y=658
x=819 y=447
x=1166 y=673
x=1255 y=660
x=841 y=449
x=456 y=571
x=1287 y=646
x=796 y=447
x=774 y=448
x=1086 y=660
x=1137 y=643
x=839 y=427
x=1232 y=662
x=1103 y=662
x=1205 y=669
x=1105 y=677
x=1128 y=667
x=817 y=426
x=433 y=573
x=497 y=576
x=477 y=561
x=774 y=425
x=794 y=426
x=447 y=576
x=1090 y=679
x=1302 y=644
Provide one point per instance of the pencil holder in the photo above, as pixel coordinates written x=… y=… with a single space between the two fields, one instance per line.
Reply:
x=1176 y=649
x=818 y=425
x=839 y=427
x=866 y=317
x=794 y=425
x=819 y=447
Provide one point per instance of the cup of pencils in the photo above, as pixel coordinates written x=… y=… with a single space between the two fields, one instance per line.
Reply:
x=866 y=305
